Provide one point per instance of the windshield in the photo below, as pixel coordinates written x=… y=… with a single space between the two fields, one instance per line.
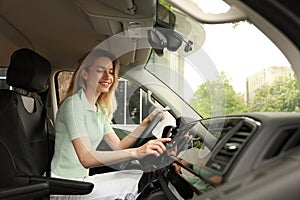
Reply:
x=229 y=68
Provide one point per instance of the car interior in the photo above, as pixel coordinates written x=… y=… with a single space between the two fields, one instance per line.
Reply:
x=247 y=155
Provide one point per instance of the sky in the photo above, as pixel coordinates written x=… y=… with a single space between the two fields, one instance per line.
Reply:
x=239 y=51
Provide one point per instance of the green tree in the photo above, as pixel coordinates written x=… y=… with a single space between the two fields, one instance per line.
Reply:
x=282 y=95
x=217 y=97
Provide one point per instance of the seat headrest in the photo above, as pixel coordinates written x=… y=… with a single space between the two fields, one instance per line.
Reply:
x=28 y=70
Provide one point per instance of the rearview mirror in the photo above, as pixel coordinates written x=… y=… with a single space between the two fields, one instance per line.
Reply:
x=160 y=38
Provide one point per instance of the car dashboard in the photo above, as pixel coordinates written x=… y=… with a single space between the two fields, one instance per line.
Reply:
x=248 y=142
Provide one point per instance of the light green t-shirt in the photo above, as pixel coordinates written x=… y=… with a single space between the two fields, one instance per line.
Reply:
x=76 y=118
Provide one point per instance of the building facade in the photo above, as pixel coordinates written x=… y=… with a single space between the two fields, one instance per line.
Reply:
x=266 y=76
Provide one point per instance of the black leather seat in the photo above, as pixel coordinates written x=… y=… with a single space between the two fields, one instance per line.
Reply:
x=25 y=146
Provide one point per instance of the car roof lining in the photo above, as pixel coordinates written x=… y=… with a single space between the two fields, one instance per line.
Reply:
x=78 y=26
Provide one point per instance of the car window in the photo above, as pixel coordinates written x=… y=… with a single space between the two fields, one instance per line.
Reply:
x=63 y=80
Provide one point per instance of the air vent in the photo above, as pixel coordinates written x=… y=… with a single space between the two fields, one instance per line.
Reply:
x=229 y=148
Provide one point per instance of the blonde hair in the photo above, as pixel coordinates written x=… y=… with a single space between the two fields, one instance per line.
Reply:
x=107 y=100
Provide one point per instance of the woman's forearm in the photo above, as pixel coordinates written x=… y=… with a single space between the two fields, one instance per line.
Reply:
x=98 y=158
x=91 y=158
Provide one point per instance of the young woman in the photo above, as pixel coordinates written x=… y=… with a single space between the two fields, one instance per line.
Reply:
x=83 y=120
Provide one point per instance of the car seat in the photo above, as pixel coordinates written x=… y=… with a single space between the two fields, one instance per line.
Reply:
x=25 y=144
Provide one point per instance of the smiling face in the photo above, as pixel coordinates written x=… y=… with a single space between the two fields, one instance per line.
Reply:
x=100 y=75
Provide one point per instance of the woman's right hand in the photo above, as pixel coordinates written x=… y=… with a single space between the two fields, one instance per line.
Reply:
x=153 y=147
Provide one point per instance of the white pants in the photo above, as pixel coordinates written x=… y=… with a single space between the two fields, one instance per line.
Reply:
x=113 y=185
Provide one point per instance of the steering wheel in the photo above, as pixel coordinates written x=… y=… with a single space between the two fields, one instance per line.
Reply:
x=147 y=133
x=145 y=136
x=179 y=140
